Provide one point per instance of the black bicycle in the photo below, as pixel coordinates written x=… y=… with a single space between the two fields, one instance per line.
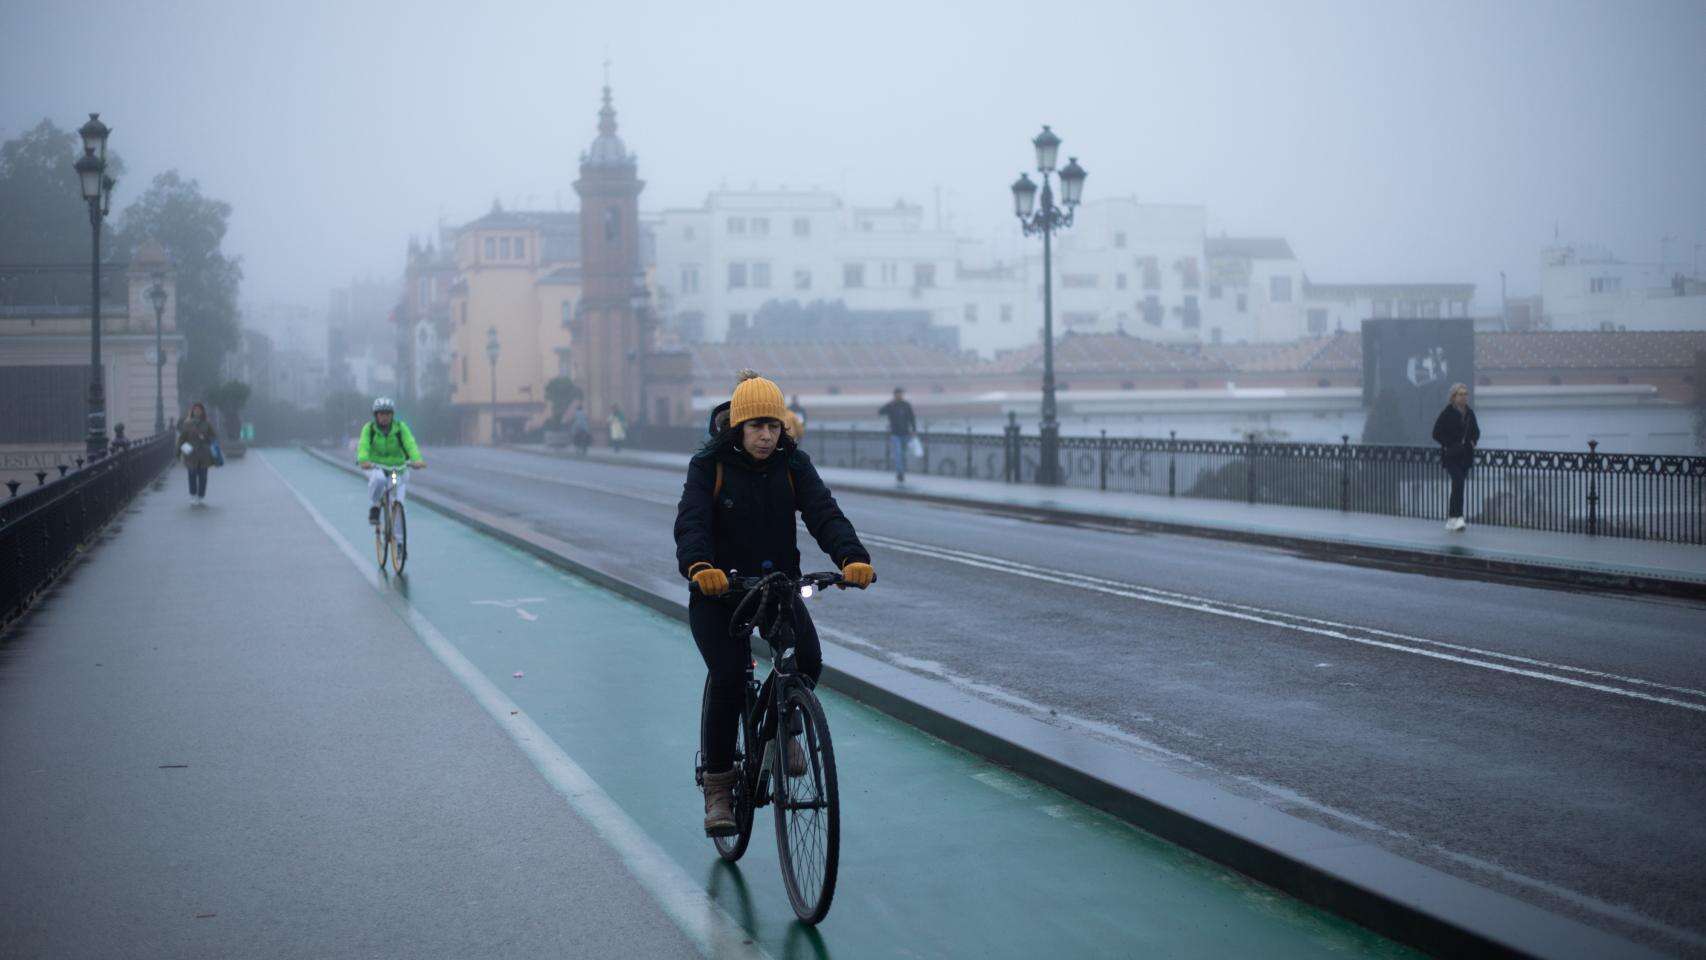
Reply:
x=795 y=771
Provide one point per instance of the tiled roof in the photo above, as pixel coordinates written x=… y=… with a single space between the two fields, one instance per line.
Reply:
x=1107 y=353
x=1588 y=349
x=719 y=362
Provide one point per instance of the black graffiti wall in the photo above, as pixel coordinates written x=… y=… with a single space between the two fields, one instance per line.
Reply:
x=1411 y=363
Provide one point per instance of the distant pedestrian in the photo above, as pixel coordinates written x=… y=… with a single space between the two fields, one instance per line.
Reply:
x=580 y=428
x=1457 y=433
x=902 y=425
x=618 y=428
x=196 y=438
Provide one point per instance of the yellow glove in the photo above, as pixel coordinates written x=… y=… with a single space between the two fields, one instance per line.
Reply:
x=858 y=574
x=712 y=582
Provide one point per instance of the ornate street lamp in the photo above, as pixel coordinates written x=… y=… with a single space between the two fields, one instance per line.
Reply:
x=1046 y=220
x=157 y=296
x=97 y=190
x=492 y=355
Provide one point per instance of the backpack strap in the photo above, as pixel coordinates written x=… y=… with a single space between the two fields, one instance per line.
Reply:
x=717 y=488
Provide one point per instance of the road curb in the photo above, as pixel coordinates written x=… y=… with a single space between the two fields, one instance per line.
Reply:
x=1406 y=901
x=1463 y=565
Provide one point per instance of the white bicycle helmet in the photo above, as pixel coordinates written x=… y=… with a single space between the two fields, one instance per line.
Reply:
x=384 y=405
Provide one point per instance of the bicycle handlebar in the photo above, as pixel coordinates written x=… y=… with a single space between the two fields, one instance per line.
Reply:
x=741 y=585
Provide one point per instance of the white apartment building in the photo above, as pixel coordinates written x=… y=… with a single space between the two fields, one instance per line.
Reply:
x=1587 y=288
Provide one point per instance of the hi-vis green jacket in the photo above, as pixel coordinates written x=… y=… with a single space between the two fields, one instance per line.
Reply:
x=391 y=448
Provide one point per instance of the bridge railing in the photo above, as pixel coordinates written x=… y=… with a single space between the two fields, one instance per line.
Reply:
x=1640 y=496
x=43 y=527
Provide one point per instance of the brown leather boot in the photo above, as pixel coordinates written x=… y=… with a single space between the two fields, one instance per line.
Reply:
x=720 y=804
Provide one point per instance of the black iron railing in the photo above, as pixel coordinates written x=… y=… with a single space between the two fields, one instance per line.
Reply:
x=43 y=527
x=1641 y=496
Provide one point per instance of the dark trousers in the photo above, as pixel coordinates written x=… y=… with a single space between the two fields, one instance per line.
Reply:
x=1459 y=472
x=198 y=481
x=726 y=660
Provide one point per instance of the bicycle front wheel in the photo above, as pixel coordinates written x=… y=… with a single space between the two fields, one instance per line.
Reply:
x=808 y=808
x=399 y=537
x=382 y=538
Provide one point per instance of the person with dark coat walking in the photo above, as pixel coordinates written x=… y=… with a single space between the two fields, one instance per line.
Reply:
x=903 y=423
x=737 y=513
x=195 y=447
x=1457 y=433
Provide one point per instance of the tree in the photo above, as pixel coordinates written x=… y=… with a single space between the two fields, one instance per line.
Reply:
x=43 y=218
x=228 y=398
x=192 y=227
x=561 y=393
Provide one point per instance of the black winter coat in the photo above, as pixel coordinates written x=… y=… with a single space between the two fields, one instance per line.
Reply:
x=1457 y=434
x=752 y=519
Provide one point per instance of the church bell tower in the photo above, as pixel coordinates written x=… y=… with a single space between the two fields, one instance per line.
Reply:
x=609 y=342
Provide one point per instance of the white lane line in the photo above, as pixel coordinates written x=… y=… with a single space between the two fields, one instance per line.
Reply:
x=1303 y=624
x=1214 y=608
x=1267 y=612
x=712 y=930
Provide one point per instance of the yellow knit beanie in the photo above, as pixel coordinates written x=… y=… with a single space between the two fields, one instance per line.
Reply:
x=756 y=398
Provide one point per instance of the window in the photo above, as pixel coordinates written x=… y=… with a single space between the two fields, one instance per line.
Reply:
x=1214 y=291
x=802 y=226
x=612 y=225
x=737 y=275
x=1189 y=275
x=1279 y=289
x=1213 y=334
x=1007 y=313
x=1078 y=280
x=1243 y=303
x=521 y=248
x=568 y=312
x=761 y=276
x=1605 y=285
x=1151 y=308
x=889 y=271
x=491 y=248
x=737 y=225
x=503 y=248
x=1406 y=308
x=923 y=275
x=853 y=275
x=1151 y=273
x=1457 y=308
x=1428 y=309
x=1193 y=313
x=690 y=278
x=761 y=226
x=1119 y=239
x=464 y=368
x=1317 y=321
x=1119 y=281
x=802 y=279
x=971 y=313
x=1382 y=308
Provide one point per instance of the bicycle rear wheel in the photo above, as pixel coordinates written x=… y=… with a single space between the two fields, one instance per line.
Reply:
x=731 y=848
x=808 y=808
x=399 y=537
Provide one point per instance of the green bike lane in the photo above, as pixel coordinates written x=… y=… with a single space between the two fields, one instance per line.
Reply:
x=942 y=853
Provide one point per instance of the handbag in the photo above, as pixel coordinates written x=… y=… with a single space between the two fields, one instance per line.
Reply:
x=915 y=446
x=218 y=455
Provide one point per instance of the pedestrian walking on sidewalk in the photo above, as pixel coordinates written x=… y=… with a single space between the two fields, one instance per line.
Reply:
x=1457 y=433
x=737 y=512
x=196 y=438
x=902 y=425
x=618 y=429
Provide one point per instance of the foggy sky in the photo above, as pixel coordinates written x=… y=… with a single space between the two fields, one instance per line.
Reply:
x=1388 y=141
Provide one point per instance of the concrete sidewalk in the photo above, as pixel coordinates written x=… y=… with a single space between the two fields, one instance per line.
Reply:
x=1568 y=557
x=217 y=739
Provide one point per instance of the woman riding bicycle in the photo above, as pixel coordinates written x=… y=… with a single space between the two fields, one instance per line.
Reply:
x=737 y=513
x=386 y=442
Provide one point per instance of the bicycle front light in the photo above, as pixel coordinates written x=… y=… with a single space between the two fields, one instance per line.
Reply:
x=807 y=590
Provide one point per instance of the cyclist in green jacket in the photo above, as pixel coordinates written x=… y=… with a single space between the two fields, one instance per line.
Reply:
x=385 y=442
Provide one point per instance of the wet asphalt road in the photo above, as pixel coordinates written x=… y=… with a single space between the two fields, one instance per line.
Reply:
x=1549 y=744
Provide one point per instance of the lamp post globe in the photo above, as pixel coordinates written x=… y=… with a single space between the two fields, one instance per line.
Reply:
x=1048 y=147
x=157 y=297
x=94 y=134
x=1024 y=196
x=1072 y=183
